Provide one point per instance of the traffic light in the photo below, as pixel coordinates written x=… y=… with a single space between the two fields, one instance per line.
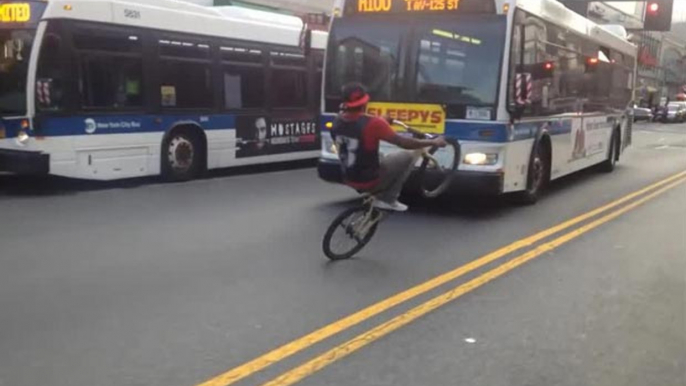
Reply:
x=658 y=15
x=542 y=70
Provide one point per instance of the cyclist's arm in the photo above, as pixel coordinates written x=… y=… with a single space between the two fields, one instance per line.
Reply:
x=410 y=143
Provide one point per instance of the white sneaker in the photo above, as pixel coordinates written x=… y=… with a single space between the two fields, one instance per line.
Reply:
x=395 y=207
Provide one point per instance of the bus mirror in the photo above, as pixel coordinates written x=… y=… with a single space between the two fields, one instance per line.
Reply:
x=48 y=93
x=523 y=87
x=44 y=91
x=306 y=39
x=517 y=111
x=545 y=97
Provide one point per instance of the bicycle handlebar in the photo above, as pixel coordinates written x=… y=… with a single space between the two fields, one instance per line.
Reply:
x=411 y=130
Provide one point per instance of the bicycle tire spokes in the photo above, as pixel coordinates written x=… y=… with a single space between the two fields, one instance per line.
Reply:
x=351 y=231
x=433 y=163
x=351 y=228
x=344 y=244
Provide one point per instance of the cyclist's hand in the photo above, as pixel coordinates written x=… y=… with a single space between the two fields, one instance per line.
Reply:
x=440 y=142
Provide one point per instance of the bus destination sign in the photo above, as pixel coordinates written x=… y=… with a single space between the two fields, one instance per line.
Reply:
x=402 y=6
x=384 y=7
x=15 y=13
x=21 y=14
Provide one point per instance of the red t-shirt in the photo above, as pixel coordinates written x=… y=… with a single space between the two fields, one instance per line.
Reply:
x=377 y=130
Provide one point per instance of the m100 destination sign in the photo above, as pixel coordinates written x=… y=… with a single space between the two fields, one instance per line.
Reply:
x=385 y=7
x=401 y=6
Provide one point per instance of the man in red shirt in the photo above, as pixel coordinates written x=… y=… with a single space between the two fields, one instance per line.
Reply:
x=357 y=136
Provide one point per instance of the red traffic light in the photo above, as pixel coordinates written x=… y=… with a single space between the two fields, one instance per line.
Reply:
x=658 y=15
x=549 y=66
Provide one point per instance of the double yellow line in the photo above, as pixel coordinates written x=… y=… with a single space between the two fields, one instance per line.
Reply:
x=292 y=376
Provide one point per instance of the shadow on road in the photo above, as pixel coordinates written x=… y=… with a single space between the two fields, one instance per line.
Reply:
x=472 y=207
x=475 y=207
x=46 y=186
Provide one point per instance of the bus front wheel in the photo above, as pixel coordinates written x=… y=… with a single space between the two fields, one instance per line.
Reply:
x=182 y=154
x=537 y=176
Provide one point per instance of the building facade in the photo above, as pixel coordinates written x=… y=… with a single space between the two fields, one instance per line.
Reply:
x=673 y=60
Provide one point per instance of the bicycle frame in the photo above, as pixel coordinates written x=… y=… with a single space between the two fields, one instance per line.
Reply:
x=369 y=220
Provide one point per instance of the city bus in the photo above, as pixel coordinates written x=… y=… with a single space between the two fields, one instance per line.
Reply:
x=532 y=90
x=115 y=89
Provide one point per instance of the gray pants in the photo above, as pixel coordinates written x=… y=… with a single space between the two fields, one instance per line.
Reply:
x=395 y=170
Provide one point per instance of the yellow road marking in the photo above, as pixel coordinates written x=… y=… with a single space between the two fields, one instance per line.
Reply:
x=247 y=369
x=297 y=374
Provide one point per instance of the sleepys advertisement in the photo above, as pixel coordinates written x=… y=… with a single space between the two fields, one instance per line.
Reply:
x=424 y=117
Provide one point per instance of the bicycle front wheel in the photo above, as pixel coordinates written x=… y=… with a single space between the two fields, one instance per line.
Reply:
x=350 y=232
x=437 y=173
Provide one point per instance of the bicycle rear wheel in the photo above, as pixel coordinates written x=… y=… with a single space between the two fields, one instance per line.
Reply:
x=346 y=235
x=435 y=178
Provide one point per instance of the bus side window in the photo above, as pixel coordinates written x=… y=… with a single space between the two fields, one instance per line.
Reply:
x=288 y=80
x=185 y=75
x=562 y=81
x=50 y=79
x=244 y=78
x=621 y=81
x=290 y=88
x=110 y=64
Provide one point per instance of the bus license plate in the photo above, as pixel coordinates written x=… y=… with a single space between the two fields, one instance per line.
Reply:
x=480 y=114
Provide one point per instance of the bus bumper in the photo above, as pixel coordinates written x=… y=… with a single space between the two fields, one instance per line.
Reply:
x=24 y=162
x=465 y=182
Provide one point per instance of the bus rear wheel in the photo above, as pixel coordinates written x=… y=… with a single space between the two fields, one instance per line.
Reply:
x=613 y=154
x=182 y=156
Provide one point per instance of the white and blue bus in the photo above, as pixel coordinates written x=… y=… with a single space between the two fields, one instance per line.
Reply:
x=115 y=89
x=532 y=90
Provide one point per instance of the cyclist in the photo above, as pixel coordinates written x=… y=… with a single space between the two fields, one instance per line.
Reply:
x=357 y=136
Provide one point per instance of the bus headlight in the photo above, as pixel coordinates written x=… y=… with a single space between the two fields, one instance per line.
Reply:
x=481 y=159
x=23 y=137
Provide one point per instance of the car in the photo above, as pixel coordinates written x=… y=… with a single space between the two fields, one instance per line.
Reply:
x=642 y=114
x=674 y=112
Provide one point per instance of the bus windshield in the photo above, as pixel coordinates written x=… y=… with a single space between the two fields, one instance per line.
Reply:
x=453 y=61
x=14 y=66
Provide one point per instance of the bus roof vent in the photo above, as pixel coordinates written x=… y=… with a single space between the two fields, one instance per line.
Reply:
x=617 y=29
x=254 y=15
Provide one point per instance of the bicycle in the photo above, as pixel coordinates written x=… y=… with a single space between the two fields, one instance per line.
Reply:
x=359 y=224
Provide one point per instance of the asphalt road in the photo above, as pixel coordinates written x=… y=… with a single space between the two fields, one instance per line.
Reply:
x=143 y=283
